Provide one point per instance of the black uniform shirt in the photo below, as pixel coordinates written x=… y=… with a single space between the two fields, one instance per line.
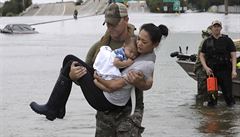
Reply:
x=218 y=51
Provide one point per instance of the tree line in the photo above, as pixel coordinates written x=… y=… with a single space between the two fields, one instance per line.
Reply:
x=14 y=7
x=203 y=5
x=200 y=5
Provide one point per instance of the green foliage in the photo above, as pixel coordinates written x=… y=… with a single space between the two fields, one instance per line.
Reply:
x=154 y=5
x=234 y=2
x=221 y=2
x=7 y=7
x=237 y=44
x=14 y=7
x=79 y=2
x=205 y=4
x=157 y=5
x=202 y=5
x=27 y=3
x=10 y=14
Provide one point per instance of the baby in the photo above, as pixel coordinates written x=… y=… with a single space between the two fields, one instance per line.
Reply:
x=109 y=62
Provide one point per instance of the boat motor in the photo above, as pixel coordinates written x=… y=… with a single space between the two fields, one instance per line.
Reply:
x=174 y=54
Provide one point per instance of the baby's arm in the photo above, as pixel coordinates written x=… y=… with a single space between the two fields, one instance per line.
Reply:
x=122 y=64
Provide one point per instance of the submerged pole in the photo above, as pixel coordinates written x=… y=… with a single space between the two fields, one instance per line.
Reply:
x=226 y=6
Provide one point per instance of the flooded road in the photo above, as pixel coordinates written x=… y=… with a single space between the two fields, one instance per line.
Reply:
x=29 y=66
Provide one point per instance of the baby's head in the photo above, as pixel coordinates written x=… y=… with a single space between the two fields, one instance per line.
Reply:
x=130 y=47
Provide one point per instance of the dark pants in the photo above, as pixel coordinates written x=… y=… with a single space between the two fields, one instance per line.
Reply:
x=92 y=93
x=224 y=78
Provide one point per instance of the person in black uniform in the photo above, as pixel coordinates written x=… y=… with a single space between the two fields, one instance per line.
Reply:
x=218 y=57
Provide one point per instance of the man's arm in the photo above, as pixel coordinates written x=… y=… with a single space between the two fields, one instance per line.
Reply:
x=91 y=53
x=233 y=57
x=204 y=64
x=234 y=62
x=202 y=59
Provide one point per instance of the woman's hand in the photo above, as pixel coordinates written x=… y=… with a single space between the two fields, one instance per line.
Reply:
x=76 y=71
x=135 y=77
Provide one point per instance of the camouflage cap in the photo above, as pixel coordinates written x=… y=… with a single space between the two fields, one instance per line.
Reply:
x=207 y=32
x=114 y=13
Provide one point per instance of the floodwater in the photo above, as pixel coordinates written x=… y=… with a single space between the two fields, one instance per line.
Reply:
x=29 y=66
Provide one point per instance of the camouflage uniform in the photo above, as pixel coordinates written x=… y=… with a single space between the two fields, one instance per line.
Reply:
x=202 y=94
x=117 y=123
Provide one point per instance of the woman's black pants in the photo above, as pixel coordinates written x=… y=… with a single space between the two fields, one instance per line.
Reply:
x=92 y=93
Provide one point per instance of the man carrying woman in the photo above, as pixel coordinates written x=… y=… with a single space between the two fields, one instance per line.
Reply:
x=118 y=30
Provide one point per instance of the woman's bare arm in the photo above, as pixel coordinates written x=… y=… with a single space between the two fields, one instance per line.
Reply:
x=111 y=85
x=136 y=78
x=101 y=86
